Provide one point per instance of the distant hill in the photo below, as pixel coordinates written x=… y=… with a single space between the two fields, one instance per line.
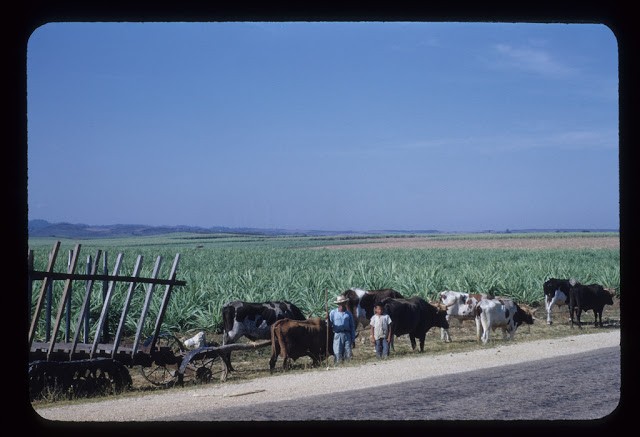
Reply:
x=43 y=228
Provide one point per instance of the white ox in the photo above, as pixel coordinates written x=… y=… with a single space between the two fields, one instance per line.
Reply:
x=501 y=313
x=460 y=306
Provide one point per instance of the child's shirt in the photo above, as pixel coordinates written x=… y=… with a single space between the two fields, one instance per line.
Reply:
x=380 y=325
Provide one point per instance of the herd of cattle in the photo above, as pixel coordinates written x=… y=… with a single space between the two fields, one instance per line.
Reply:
x=293 y=335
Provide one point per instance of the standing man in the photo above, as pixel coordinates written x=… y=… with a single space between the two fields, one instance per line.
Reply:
x=344 y=330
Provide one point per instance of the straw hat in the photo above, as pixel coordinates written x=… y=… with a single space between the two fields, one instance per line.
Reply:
x=341 y=299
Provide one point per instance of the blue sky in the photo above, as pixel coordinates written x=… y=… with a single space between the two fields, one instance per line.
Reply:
x=325 y=125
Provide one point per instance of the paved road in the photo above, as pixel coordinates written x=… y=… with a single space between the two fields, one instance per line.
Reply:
x=580 y=387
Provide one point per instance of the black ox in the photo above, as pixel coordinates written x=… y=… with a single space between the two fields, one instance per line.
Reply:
x=589 y=297
x=414 y=316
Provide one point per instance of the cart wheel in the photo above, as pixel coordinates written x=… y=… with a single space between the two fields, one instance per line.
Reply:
x=202 y=371
x=164 y=375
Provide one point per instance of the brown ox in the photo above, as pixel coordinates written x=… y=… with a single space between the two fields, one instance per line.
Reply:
x=293 y=339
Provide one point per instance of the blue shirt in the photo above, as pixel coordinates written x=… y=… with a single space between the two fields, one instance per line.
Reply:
x=342 y=321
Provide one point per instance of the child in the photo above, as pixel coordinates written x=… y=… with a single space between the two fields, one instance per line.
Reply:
x=381 y=331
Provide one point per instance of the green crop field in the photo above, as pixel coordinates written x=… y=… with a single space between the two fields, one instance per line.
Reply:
x=220 y=268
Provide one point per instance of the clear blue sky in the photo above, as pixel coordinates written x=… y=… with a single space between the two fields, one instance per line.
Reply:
x=327 y=126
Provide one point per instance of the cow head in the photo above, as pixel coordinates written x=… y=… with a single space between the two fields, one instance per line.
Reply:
x=523 y=315
x=529 y=310
x=470 y=305
x=228 y=315
x=609 y=294
x=440 y=319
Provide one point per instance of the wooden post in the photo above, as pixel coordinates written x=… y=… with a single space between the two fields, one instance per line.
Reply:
x=88 y=286
x=83 y=313
x=29 y=283
x=104 y=336
x=66 y=296
x=46 y=283
x=105 y=305
x=145 y=306
x=165 y=301
x=125 y=307
x=67 y=315
x=47 y=311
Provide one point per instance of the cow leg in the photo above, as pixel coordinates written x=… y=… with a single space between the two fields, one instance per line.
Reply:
x=412 y=338
x=278 y=347
x=478 y=328
x=571 y=311
x=485 y=329
x=511 y=330
x=595 y=314
x=444 y=335
x=578 y=311
x=601 y=325
x=422 y=338
x=314 y=360
x=274 y=356
x=226 y=358
x=547 y=302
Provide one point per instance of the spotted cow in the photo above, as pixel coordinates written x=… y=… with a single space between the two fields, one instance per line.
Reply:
x=556 y=292
x=254 y=320
x=501 y=313
x=460 y=306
